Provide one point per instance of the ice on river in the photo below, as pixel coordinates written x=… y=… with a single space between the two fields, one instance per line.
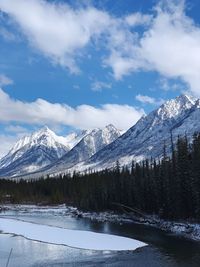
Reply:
x=72 y=238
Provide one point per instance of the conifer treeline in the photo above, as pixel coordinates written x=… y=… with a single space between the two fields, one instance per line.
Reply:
x=169 y=188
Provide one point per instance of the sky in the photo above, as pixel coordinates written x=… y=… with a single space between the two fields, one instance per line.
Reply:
x=74 y=65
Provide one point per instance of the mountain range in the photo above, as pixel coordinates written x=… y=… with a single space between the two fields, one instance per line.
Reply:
x=45 y=153
x=44 y=148
x=146 y=139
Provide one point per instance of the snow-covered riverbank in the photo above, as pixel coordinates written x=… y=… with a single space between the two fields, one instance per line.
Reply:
x=185 y=229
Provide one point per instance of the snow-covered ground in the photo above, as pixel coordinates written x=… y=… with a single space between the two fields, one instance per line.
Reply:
x=186 y=229
x=34 y=209
x=72 y=238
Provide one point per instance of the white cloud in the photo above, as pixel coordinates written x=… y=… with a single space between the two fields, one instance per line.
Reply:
x=168 y=41
x=149 y=100
x=62 y=33
x=169 y=46
x=5 y=80
x=98 y=86
x=41 y=112
x=124 y=56
x=55 y=29
x=137 y=19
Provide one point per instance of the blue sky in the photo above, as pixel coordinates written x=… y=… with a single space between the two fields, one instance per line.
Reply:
x=84 y=64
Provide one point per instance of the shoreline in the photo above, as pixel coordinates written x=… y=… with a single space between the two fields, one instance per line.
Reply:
x=183 y=228
x=179 y=228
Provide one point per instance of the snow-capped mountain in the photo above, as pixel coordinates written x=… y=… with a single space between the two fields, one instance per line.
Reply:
x=37 y=150
x=90 y=144
x=101 y=148
x=146 y=138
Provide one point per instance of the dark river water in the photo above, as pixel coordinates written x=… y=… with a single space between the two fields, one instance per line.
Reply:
x=163 y=250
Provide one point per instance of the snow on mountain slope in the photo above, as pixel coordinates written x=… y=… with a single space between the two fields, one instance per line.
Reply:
x=146 y=138
x=74 y=138
x=94 y=141
x=101 y=148
x=37 y=150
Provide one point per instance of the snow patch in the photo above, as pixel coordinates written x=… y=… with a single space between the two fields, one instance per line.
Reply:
x=71 y=238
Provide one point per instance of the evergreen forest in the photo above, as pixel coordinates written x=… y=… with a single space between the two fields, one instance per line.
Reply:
x=169 y=187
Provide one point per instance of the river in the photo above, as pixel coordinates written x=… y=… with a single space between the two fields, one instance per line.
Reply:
x=163 y=250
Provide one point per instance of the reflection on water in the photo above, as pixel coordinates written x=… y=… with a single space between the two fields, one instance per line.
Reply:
x=163 y=250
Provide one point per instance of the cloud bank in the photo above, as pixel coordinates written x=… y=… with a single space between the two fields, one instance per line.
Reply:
x=42 y=112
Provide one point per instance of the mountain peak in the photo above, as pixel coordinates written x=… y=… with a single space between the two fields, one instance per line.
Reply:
x=184 y=98
x=34 y=151
x=174 y=107
x=110 y=127
x=91 y=143
x=44 y=130
x=146 y=138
